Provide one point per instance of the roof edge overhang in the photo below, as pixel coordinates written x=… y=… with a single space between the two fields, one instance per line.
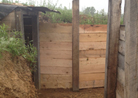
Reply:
x=5 y=9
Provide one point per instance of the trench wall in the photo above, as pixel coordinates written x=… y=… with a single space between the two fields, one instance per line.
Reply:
x=56 y=55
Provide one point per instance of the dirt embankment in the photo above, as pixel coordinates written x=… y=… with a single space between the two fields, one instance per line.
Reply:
x=15 y=78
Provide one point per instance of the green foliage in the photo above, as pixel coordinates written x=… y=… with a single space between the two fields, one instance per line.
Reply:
x=89 y=11
x=14 y=44
x=92 y=16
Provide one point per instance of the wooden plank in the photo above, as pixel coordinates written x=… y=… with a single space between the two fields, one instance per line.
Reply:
x=94 y=32
x=91 y=84
x=55 y=46
x=92 y=53
x=56 y=70
x=91 y=77
x=122 y=47
x=75 y=46
x=122 y=35
x=93 y=37
x=91 y=61
x=131 y=54
x=114 y=14
x=58 y=78
x=121 y=76
x=54 y=28
x=121 y=61
x=55 y=37
x=92 y=65
x=120 y=90
x=92 y=45
x=56 y=54
x=56 y=62
x=92 y=69
x=35 y=37
x=56 y=85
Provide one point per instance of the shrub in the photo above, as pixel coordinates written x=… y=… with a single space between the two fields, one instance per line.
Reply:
x=14 y=44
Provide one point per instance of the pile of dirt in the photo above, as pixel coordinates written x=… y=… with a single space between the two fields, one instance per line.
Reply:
x=15 y=78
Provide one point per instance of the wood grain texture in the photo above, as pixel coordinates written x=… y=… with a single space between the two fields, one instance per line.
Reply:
x=56 y=81
x=55 y=46
x=91 y=84
x=52 y=70
x=52 y=27
x=56 y=54
x=92 y=53
x=75 y=46
x=131 y=54
x=93 y=37
x=91 y=77
x=92 y=65
x=92 y=45
x=56 y=62
x=93 y=32
x=114 y=14
x=55 y=37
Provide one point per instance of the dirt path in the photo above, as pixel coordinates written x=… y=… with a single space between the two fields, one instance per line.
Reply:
x=61 y=93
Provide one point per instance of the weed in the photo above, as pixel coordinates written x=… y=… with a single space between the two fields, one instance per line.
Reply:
x=14 y=44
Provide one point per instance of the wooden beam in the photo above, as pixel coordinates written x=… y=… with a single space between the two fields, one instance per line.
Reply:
x=131 y=52
x=114 y=14
x=75 y=46
x=35 y=36
x=19 y=21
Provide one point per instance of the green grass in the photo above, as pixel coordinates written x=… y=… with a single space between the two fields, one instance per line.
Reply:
x=14 y=44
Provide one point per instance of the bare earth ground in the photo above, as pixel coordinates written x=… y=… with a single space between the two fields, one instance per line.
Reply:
x=62 y=93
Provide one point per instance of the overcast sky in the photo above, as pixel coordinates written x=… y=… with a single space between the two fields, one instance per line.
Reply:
x=98 y=4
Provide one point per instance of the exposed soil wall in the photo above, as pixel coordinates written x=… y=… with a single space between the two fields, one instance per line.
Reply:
x=15 y=78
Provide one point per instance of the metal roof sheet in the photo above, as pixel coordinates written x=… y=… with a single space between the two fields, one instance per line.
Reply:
x=5 y=9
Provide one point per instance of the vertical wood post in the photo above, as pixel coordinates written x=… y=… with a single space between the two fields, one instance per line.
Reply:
x=19 y=22
x=114 y=14
x=131 y=53
x=35 y=35
x=75 y=46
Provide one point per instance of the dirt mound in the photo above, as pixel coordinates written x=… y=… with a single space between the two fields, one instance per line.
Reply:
x=15 y=78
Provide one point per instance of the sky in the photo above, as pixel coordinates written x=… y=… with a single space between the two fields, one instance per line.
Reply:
x=97 y=4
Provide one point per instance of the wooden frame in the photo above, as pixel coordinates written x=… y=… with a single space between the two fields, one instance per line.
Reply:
x=35 y=36
x=114 y=14
x=75 y=46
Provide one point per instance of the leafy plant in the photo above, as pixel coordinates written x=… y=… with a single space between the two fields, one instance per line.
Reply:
x=14 y=44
